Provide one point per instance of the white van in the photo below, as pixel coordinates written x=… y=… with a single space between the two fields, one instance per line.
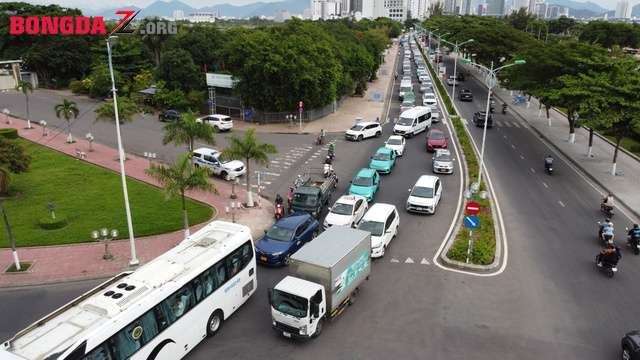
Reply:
x=382 y=221
x=425 y=195
x=218 y=121
x=405 y=87
x=413 y=121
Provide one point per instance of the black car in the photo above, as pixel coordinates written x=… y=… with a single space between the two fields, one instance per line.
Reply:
x=631 y=345
x=169 y=116
x=465 y=95
x=478 y=119
x=461 y=76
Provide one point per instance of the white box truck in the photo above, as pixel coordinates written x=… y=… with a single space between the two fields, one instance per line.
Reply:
x=324 y=277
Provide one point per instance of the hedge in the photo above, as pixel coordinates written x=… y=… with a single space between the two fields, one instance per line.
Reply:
x=9 y=133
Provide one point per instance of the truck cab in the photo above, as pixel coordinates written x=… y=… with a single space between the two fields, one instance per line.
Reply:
x=298 y=307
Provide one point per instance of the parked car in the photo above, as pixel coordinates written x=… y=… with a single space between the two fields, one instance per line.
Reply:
x=363 y=130
x=478 y=119
x=465 y=95
x=383 y=160
x=217 y=121
x=348 y=210
x=429 y=99
x=286 y=237
x=210 y=158
x=442 y=162
x=396 y=143
x=425 y=195
x=365 y=183
x=436 y=139
x=382 y=221
x=169 y=116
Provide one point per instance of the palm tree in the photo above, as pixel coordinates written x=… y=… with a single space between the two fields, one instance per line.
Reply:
x=126 y=109
x=26 y=87
x=187 y=130
x=67 y=109
x=248 y=148
x=180 y=177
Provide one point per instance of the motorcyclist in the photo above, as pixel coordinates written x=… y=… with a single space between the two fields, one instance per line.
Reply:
x=634 y=235
x=607 y=223
x=607 y=234
x=548 y=162
x=607 y=202
x=610 y=256
x=504 y=108
x=279 y=200
x=328 y=167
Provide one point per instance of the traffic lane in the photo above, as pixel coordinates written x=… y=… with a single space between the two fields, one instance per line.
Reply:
x=23 y=306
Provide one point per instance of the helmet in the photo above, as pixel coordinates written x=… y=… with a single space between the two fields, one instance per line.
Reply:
x=635 y=226
x=608 y=220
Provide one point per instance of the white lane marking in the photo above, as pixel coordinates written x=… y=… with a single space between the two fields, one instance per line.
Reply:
x=532 y=170
x=545 y=184
x=267 y=182
x=516 y=124
x=275 y=162
x=394 y=260
x=521 y=157
x=408 y=261
x=424 y=261
x=507 y=124
x=504 y=136
x=513 y=146
x=561 y=203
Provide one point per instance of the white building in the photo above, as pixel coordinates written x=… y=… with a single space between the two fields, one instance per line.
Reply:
x=623 y=10
x=418 y=9
x=395 y=9
x=200 y=17
x=323 y=9
x=178 y=15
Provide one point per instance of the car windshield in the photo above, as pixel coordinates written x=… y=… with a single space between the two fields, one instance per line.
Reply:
x=279 y=233
x=289 y=304
x=423 y=192
x=356 y=127
x=382 y=156
x=301 y=199
x=443 y=158
x=342 y=209
x=376 y=228
x=405 y=88
x=436 y=136
x=394 y=141
x=362 y=181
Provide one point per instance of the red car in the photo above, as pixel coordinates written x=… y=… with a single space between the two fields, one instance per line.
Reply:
x=436 y=139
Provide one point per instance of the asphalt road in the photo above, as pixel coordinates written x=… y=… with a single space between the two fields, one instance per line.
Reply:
x=550 y=303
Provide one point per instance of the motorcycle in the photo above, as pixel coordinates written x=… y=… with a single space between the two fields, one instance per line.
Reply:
x=327 y=170
x=320 y=140
x=331 y=155
x=278 y=211
x=601 y=238
x=606 y=210
x=634 y=242
x=607 y=268
x=504 y=109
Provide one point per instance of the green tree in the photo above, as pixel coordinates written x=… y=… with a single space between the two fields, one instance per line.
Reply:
x=171 y=99
x=562 y=25
x=13 y=159
x=178 y=71
x=520 y=19
x=154 y=42
x=187 y=131
x=25 y=87
x=67 y=109
x=180 y=177
x=127 y=108
x=436 y=9
x=248 y=148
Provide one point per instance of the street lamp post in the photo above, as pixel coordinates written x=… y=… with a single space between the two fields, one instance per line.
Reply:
x=105 y=235
x=438 y=52
x=456 y=48
x=134 y=259
x=490 y=81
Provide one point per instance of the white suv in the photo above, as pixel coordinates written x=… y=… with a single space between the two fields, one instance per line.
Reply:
x=217 y=121
x=382 y=221
x=348 y=210
x=363 y=130
x=425 y=195
x=210 y=158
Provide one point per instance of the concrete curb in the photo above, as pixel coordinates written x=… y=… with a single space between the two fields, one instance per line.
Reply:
x=443 y=255
x=392 y=80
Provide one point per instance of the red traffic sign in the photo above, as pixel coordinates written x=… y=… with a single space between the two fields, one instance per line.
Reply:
x=472 y=208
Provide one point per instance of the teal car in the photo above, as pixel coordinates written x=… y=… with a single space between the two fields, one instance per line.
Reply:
x=365 y=183
x=383 y=160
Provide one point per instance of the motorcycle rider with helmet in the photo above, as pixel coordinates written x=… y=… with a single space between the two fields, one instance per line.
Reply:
x=606 y=225
x=610 y=256
x=633 y=235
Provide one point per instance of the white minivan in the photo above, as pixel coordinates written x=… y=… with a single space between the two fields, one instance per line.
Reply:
x=425 y=195
x=413 y=121
x=382 y=221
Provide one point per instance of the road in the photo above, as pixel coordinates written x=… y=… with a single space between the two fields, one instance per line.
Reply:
x=550 y=303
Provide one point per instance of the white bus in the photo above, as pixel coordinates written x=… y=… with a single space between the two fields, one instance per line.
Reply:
x=160 y=311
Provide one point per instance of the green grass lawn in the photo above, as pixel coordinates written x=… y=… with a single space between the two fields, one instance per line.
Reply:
x=90 y=197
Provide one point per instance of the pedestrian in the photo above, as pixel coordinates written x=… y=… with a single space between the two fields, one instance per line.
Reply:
x=395 y=76
x=377 y=119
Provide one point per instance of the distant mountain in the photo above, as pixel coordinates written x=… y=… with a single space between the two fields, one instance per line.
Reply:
x=165 y=8
x=577 y=5
x=584 y=14
x=110 y=13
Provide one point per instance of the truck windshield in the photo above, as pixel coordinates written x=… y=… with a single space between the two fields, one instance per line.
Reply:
x=342 y=209
x=374 y=227
x=289 y=304
x=304 y=199
x=280 y=234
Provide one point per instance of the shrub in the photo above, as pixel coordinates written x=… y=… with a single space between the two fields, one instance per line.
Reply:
x=77 y=87
x=49 y=223
x=9 y=133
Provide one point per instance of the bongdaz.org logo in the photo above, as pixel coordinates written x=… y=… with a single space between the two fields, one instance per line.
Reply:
x=83 y=25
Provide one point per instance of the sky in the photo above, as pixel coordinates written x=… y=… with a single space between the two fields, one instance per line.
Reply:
x=84 y=4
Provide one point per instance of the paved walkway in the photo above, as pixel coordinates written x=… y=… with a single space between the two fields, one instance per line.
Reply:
x=81 y=261
x=625 y=185
x=353 y=107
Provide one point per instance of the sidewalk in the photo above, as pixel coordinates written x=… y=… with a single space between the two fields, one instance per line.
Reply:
x=83 y=261
x=625 y=185
x=352 y=107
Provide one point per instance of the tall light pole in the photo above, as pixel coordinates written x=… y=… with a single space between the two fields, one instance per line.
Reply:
x=490 y=81
x=456 y=48
x=438 y=53
x=134 y=259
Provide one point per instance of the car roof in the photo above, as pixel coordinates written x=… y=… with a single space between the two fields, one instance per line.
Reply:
x=396 y=137
x=415 y=111
x=426 y=180
x=366 y=172
x=292 y=221
x=378 y=211
x=349 y=199
x=206 y=151
x=443 y=152
x=364 y=123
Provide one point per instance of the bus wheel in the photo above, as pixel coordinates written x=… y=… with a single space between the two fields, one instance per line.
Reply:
x=214 y=323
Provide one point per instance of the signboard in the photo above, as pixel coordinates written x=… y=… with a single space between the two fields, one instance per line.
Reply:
x=301 y=106
x=472 y=208
x=471 y=221
x=220 y=80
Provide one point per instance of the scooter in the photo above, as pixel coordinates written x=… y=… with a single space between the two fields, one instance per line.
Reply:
x=608 y=269
x=504 y=109
x=633 y=242
x=331 y=154
x=606 y=210
x=278 y=211
x=601 y=239
x=548 y=168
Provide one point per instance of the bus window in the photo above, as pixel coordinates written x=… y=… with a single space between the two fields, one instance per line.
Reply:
x=99 y=353
x=180 y=302
x=134 y=336
x=198 y=289
x=221 y=276
x=234 y=262
x=247 y=254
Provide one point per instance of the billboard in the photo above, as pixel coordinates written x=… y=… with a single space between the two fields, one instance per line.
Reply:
x=220 y=80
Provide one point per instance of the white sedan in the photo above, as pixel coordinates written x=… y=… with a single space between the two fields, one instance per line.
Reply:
x=396 y=143
x=429 y=99
x=348 y=210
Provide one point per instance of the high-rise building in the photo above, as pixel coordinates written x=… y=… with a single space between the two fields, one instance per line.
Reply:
x=417 y=9
x=178 y=15
x=532 y=7
x=394 y=9
x=322 y=9
x=482 y=9
x=623 y=10
x=495 y=7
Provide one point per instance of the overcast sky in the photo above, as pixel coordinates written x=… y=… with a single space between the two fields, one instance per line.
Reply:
x=84 y=4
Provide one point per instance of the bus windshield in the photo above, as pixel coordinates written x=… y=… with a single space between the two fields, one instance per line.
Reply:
x=289 y=304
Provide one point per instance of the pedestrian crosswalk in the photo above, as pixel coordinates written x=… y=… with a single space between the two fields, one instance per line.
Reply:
x=506 y=123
